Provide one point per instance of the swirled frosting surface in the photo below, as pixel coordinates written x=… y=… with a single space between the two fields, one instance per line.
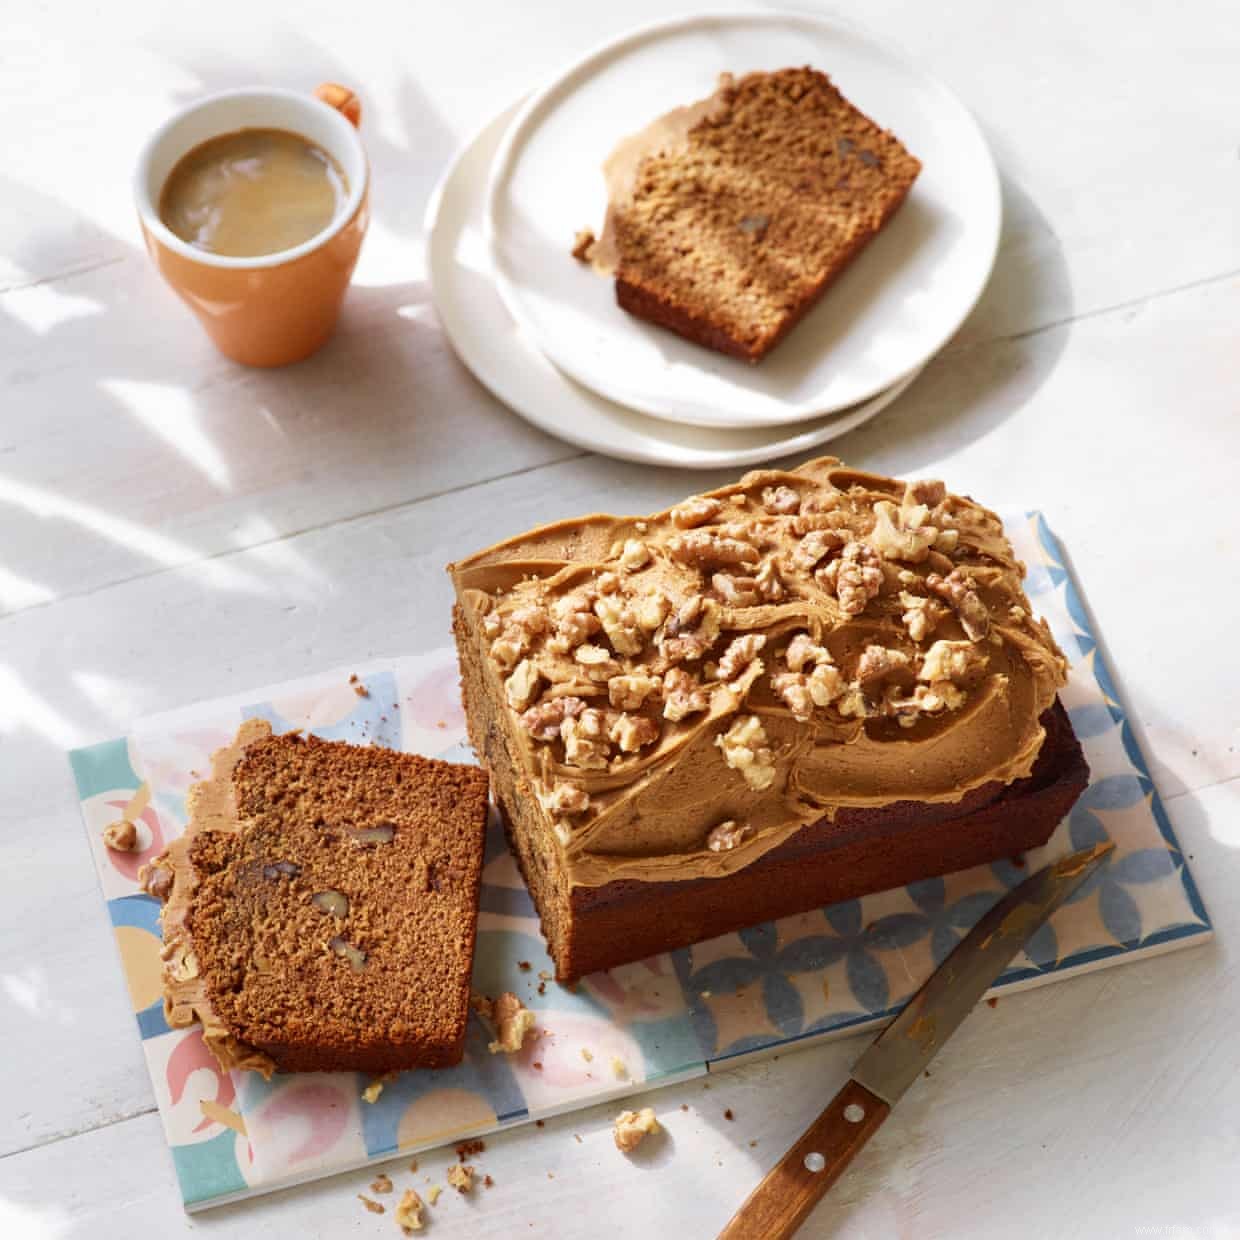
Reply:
x=684 y=691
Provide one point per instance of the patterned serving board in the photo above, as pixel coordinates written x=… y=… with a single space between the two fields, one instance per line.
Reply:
x=820 y=974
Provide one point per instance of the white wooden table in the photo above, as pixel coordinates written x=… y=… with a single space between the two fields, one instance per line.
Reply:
x=173 y=527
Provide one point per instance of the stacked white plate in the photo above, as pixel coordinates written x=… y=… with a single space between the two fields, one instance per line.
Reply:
x=544 y=333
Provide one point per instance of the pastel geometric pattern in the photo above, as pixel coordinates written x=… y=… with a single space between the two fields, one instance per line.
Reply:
x=817 y=975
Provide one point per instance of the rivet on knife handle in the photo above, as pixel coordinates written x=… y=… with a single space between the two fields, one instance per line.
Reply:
x=779 y=1205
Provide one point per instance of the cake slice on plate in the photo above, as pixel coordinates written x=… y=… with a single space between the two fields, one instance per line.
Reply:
x=321 y=907
x=795 y=690
x=729 y=218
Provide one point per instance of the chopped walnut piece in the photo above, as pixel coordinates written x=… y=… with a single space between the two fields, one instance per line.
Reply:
x=682 y=695
x=521 y=688
x=373 y=1206
x=461 y=1177
x=381 y=1184
x=954 y=661
x=728 y=835
x=815 y=546
x=780 y=500
x=921 y=614
x=651 y=610
x=512 y=1022
x=608 y=583
x=371 y=1093
x=620 y=624
x=736 y=591
x=925 y=699
x=692 y=630
x=508 y=649
x=696 y=511
x=928 y=491
x=793 y=689
x=632 y=732
x=491 y=625
x=409 y=1212
x=768 y=582
x=947 y=540
x=543 y=721
x=699 y=548
x=745 y=749
x=740 y=653
x=855 y=578
x=530 y=620
x=826 y=684
x=155 y=878
x=802 y=649
x=880 y=662
x=573 y=626
x=121 y=836
x=901 y=534
x=630 y=1128
x=432 y=1193
x=590 y=654
x=957 y=590
x=634 y=555
x=585 y=743
x=564 y=798
x=630 y=691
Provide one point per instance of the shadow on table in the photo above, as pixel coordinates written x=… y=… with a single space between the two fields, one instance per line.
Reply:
x=993 y=366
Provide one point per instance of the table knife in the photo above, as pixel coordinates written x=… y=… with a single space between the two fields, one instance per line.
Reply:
x=899 y=1055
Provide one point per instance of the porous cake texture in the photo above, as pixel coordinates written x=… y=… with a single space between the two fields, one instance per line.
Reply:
x=321 y=907
x=797 y=689
x=730 y=234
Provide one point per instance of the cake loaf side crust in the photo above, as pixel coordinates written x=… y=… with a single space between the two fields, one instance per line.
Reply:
x=861 y=852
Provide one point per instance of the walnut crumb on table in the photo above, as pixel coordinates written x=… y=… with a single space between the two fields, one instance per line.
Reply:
x=373 y=1206
x=432 y=1193
x=461 y=1177
x=372 y=1091
x=630 y=1128
x=381 y=1184
x=409 y=1213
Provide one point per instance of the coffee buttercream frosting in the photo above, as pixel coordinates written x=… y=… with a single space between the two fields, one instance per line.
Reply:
x=684 y=691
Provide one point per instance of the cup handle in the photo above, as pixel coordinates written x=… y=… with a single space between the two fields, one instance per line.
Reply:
x=342 y=99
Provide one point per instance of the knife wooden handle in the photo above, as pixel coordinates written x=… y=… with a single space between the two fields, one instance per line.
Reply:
x=779 y=1205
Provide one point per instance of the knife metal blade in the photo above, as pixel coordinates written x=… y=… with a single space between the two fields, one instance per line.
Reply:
x=901 y=1052
x=898 y=1056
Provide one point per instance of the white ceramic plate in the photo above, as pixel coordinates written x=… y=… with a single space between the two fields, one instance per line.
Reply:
x=889 y=313
x=505 y=360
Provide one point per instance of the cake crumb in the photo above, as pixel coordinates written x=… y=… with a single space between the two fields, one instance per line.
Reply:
x=753 y=1143
x=467 y=1149
x=361 y=690
x=121 y=836
x=993 y=1001
x=583 y=242
x=372 y=1091
x=728 y=1114
x=619 y=1069
x=373 y=1206
x=587 y=1054
x=512 y=1021
x=409 y=1213
x=488 y=1182
x=630 y=1128
x=432 y=1193
x=544 y=976
x=524 y=966
x=577 y=1137
x=537 y=1065
x=461 y=1177
x=538 y=1123
x=413 y=1165
x=542 y=988
x=381 y=1184
x=684 y=1106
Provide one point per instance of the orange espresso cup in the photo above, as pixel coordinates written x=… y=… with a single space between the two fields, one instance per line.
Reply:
x=273 y=308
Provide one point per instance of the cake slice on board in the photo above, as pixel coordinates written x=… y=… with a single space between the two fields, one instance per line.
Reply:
x=321 y=908
x=728 y=219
